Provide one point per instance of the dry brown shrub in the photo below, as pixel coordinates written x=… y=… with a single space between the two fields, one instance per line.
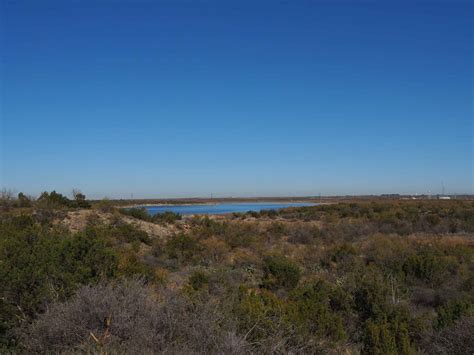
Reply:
x=135 y=322
x=457 y=339
x=215 y=250
x=302 y=233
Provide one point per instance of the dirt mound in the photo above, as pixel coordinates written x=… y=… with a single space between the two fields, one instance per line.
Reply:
x=78 y=220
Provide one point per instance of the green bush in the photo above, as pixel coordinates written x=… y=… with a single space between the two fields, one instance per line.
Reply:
x=449 y=313
x=260 y=315
x=386 y=337
x=129 y=233
x=137 y=212
x=182 y=247
x=342 y=252
x=312 y=311
x=371 y=295
x=427 y=265
x=378 y=339
x=129 y=264
x=39 y=265
x=167 y=217
x=280 y=272
x=198 y=279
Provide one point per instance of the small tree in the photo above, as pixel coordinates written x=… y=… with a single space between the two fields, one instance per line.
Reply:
x=54 y=199
x=24 y=200
x=80 y=198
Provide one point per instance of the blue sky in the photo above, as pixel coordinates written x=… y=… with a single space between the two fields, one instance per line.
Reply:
x=237 y=98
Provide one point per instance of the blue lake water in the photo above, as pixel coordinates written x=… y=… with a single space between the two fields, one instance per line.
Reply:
x=222 y=208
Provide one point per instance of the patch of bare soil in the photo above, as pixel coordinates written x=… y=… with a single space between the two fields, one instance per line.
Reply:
x=77 y=220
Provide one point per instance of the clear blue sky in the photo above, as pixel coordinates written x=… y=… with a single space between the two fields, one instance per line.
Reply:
x=237 y=98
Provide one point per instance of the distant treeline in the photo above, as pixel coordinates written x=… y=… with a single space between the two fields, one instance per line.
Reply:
x=51 y=199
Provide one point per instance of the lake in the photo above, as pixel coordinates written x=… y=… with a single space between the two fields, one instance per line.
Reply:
x=222 y=208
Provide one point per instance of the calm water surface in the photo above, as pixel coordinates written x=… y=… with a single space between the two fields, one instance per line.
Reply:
x=221 y=208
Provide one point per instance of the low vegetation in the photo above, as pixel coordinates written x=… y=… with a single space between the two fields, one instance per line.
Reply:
x=390 y=277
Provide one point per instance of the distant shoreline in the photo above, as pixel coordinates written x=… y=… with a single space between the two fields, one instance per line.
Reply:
x=220 y=202
x=170 y=204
